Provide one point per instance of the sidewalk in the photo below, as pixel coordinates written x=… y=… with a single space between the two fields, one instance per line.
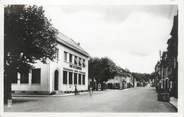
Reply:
x=54 y=95
x=31 y=97
x=174 y=102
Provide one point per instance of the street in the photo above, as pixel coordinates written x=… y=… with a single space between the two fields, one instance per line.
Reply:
x=141 y=99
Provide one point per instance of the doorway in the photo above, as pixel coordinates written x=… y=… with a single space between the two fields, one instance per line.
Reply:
x=56 y=80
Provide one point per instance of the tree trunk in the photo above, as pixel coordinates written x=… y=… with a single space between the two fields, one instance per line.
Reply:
x=7 y=89
x=9 y=74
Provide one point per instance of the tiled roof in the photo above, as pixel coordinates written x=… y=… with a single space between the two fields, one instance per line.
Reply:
x=65 y=40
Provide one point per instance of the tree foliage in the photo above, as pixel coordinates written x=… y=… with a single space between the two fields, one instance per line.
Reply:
x=142 y=77
x=28 y=36
x=103 y=69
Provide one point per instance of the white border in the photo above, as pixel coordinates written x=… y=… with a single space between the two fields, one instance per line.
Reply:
x=90 y=2
x=2 y=56
x=180 y=4
x=181 y=57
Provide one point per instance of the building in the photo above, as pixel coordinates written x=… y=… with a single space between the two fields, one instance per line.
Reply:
x=117 y=83
x=166 y=69
x=162 y=71
x=120 y=82
x=67 y=71
x=129 y=81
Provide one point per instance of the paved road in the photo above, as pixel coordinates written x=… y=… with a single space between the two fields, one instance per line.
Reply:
x=128 y=100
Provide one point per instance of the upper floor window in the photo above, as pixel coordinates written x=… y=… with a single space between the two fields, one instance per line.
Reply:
x=80 y=62
x=57 y=54
x=70 y=58
x=65 y=56
x=83 y=63
x=75 y=60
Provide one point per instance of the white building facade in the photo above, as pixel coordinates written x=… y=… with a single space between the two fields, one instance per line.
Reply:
x=69 y=70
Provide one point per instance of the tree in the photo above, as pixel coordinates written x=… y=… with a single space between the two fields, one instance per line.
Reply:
x=102 y=69
x=28 y=36
x=94 y=67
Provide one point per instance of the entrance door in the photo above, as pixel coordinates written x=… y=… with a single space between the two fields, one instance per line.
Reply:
x=56 y=80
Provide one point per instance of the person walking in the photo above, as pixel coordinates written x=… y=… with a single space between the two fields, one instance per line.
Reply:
x=90 y=91
x=76 y=91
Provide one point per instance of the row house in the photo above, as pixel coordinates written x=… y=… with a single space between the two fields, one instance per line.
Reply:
x=167 y=68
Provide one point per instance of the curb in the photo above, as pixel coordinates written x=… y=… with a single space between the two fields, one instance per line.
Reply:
x=173 y=105
x=57 y=95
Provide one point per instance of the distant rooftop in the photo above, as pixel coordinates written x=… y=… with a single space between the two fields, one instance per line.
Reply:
x=66 y=41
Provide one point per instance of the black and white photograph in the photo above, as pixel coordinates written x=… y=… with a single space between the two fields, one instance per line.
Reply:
x=91 y=58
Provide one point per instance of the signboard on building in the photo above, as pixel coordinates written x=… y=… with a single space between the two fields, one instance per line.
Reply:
x=75 y=67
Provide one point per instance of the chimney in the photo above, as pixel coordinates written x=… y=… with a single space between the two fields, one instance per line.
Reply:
x=78 y=44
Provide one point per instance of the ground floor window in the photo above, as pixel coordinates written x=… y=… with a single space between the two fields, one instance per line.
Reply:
x=24 y=77
x=83 y=79
x=36 y=76
x=64 y=77
x=70 y=77
x=14 y=77
x=75 y=78
x=79 y=79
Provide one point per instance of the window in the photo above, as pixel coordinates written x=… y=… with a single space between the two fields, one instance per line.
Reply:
x=24 y=77
x=70 y=58
x=80 y=62
x=84 y=65
x=57 y=54
x=75 y=60
x=79 y=79
x=83 y=79
x=75 y=78
x=14 y=77
x=64 y=77
x=70 y=77
x=65 y=56
x=36 y=75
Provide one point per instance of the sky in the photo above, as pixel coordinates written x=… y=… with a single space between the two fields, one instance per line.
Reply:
x=131 y=36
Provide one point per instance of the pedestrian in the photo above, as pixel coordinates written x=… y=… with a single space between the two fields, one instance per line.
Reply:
x=90 y=91
x=76 y=92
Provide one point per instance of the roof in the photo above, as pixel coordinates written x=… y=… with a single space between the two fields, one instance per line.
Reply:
x=112 y=81
x=70 y=43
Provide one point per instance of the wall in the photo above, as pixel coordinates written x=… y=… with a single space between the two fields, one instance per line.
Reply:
x=44 y=84
x=60 y=65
